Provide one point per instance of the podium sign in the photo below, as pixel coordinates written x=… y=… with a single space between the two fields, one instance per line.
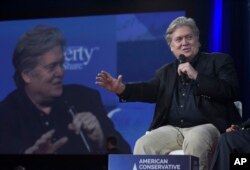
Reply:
x=152 y=162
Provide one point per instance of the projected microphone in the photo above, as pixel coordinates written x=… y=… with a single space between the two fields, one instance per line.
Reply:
x=182 y=59
x=71 y=110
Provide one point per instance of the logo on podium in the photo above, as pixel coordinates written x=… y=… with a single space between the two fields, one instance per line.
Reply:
x=152 y=162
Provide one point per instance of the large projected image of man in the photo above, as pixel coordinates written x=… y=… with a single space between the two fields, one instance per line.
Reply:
x=43 y=116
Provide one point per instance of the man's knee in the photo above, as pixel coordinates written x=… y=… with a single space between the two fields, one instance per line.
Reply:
x=141 y=145
x=203 y=137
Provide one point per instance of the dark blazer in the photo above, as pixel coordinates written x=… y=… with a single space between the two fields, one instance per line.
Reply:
x=215 y=91
x=21 y=125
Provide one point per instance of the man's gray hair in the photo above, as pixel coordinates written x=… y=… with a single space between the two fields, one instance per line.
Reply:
x=31 y=46
x=178 y=22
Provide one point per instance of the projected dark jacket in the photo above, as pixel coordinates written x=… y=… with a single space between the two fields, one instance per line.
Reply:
x=215 y=91
x=21 y=124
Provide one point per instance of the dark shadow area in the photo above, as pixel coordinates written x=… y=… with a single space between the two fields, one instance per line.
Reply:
x=53 y=162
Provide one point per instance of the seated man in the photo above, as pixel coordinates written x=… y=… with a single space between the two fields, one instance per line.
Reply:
x=43 y=116
x=194 y=96
x=235 y=140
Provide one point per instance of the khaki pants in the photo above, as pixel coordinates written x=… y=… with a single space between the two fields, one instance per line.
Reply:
x=199 y=141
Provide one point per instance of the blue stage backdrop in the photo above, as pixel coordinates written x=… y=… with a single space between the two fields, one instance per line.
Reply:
x=129 y=44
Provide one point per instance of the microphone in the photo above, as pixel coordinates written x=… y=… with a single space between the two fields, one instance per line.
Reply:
x=71 y=110
x=182 y=59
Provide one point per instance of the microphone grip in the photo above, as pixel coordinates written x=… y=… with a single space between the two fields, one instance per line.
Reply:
x=182 y=59
x=183 y=78
x=71 y=111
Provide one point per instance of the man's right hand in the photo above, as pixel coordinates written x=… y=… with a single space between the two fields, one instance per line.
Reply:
x=233 y=128
x=44 y=144
x=110 y=83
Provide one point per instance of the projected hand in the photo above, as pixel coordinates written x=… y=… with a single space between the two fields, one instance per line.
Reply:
x=90 y=125
x=44 y=144
x=110 y=83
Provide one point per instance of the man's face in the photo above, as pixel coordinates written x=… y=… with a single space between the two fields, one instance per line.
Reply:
x=45 y=81
x=184 y=42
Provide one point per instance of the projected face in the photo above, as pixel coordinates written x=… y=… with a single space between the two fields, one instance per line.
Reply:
x=45 y=81
x=184 y=42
